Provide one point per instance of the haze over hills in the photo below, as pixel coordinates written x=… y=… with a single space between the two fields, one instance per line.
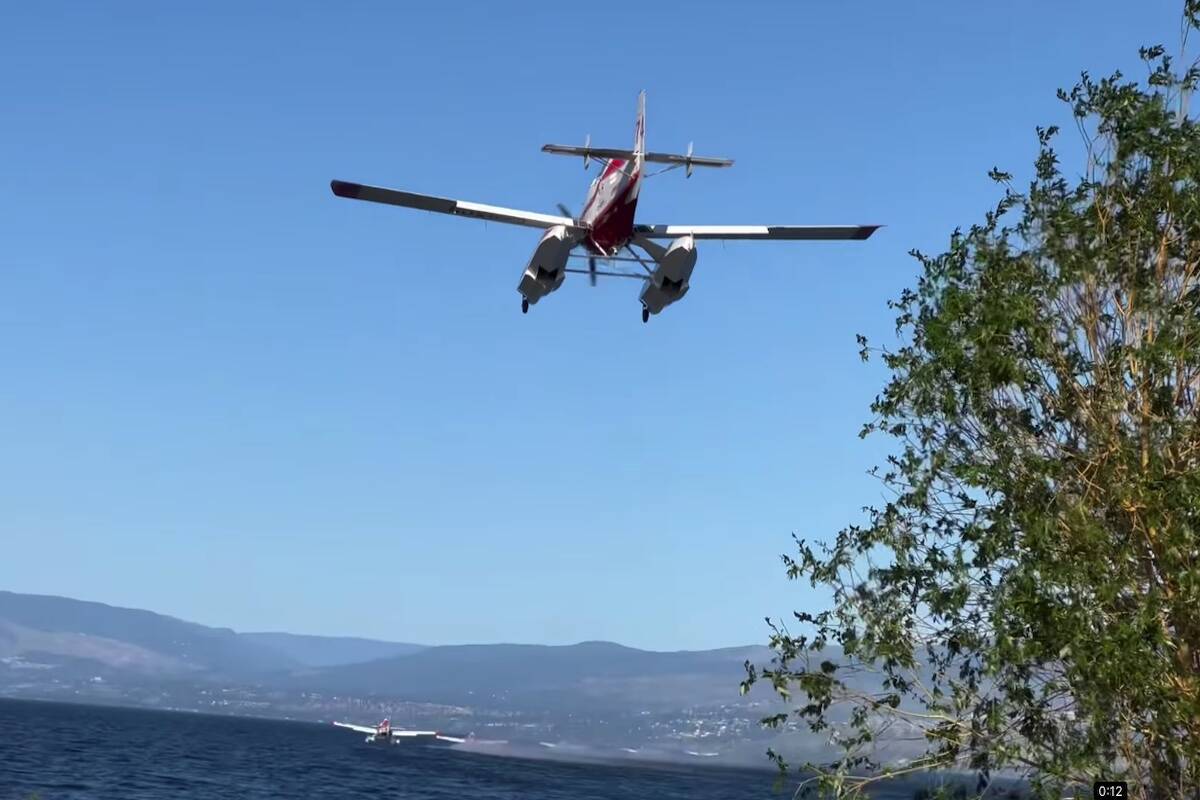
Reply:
x=133 y=640
x=64 y=637
x=584 y=675
x=329 y=651
x=143 y=640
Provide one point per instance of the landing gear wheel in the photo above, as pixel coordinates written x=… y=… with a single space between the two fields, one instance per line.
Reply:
x=524 y=306
x=645 y=314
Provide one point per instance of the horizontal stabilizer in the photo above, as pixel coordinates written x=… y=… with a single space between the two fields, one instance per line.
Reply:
x=761 y=232
x=658 y=158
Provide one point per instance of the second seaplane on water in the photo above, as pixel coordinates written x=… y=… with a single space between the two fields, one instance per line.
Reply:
x=384 y=733
x=606 y=229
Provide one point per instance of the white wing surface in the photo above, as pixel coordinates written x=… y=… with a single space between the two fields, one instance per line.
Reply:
x=460 y=208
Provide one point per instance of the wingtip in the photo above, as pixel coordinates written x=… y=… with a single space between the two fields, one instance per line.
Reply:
x=867 y=230
x=344 y=188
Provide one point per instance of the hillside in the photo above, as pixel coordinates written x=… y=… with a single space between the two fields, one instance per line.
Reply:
x=58 y=638
x=585 y=675
x=330 y=651
x=40 y=627
x=104 y=638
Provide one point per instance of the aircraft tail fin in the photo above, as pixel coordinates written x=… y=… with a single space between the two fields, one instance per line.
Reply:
x=639 y=130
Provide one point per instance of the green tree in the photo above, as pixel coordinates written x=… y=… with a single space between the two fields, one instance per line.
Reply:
x=1030 y=596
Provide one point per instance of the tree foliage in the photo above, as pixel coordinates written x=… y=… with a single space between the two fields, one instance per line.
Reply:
x=1030 y=596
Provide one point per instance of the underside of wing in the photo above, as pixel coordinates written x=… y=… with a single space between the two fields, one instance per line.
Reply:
x=359 y=728
x=759 y=232
x=460 y=208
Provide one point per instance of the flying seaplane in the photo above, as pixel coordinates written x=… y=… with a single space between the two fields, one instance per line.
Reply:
x=605 y=229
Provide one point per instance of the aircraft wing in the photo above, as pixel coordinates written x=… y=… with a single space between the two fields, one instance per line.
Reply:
x=359 y=728
x=761 y=232
x=460 y=208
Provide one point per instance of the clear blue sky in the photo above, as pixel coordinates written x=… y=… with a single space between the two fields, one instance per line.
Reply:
x=231 y=397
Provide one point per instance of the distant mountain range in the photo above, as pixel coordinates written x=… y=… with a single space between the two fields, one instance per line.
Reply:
x=60 y=630
x=329 y=651
x=585 y=675
x=143 y=641
x=79 y=638
x=682 y=704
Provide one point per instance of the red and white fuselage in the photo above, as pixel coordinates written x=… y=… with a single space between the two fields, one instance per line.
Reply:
x=604 y=226
x=612 y=199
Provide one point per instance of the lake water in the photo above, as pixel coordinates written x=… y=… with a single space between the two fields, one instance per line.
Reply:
x=67 y=751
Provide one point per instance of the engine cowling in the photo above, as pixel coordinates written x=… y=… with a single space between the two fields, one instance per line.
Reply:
x=669 y=281
x=547 y=266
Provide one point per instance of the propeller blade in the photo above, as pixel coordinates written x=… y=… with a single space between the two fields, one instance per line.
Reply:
x=689 y=160
x=566 y=212
x=592 y=270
